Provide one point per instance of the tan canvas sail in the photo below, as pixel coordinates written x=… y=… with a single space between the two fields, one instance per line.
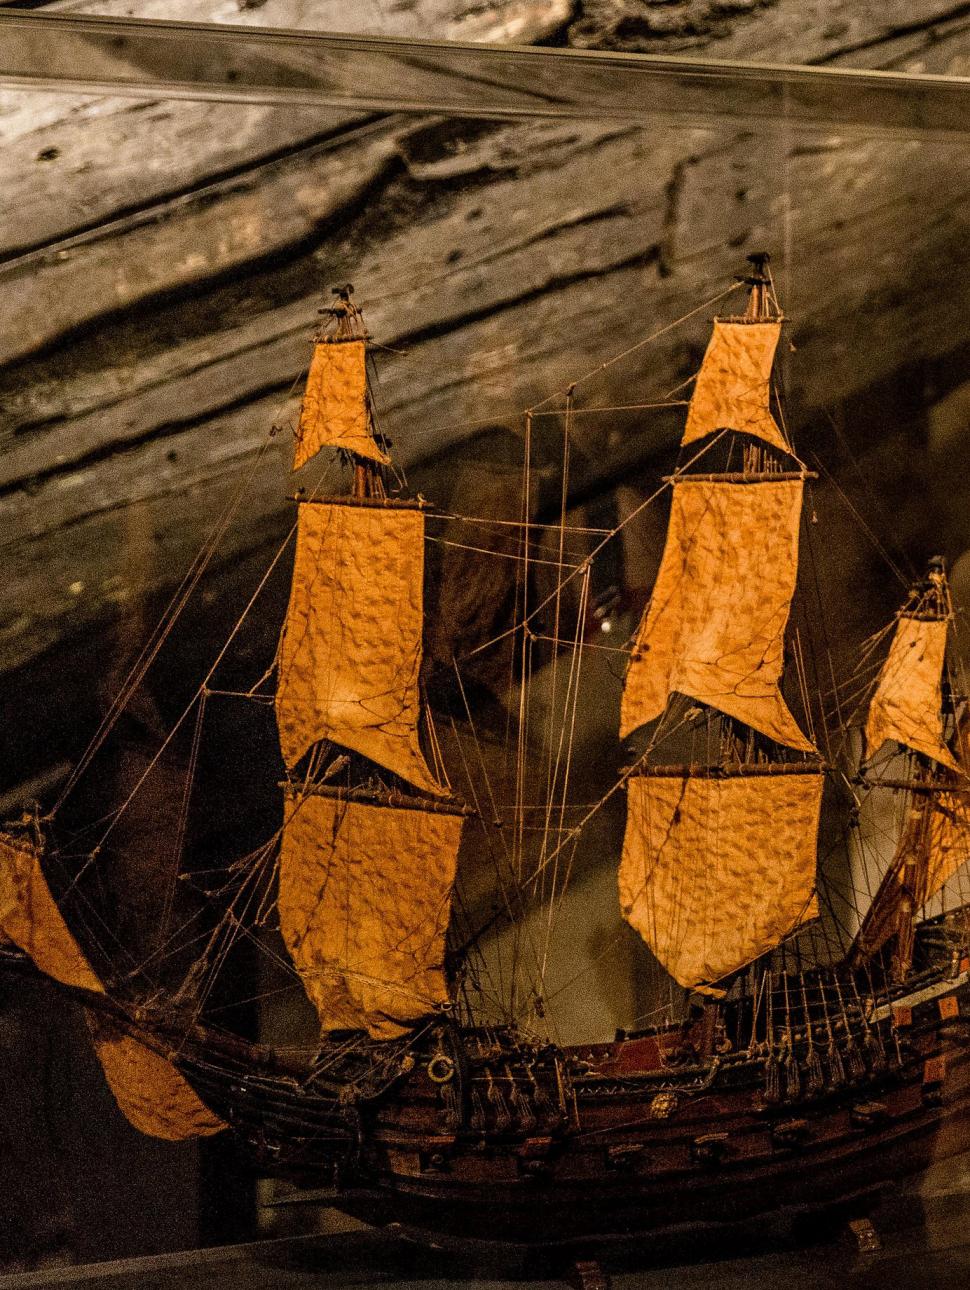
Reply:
x=732 y=387
x=30 y=918
x=364 y=901
x=150 y=1092
x=716 y=871
x=334 y=412
x=933 y=845
x=949 y=842
x=907 y=700
x=715 y=625
x=148 y=1089
x=351 y=650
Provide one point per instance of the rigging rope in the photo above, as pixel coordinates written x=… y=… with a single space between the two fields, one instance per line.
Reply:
x=668 y=483
x=174 y=608
x=662 y=331
x=255 y=888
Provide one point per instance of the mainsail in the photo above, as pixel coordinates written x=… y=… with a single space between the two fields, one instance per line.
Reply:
x=718 y=861
x=364 y=901
x=149 y=1090
x=366 y=874
x=717 y=870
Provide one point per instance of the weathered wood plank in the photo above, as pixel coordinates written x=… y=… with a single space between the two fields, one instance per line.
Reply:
x=484 y=267
x=172 y=246
x=341 y=176
x=487 y=334
x=74 y=161
x=464 y=257
x=524 y=21
x=505 y=261
x=450 y=272
x=808 y=31
x=88 y=168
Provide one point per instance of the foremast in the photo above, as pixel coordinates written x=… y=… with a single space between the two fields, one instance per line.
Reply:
x=908 y=709
x=143 y=1077
x=719 y=857
x=371 y=834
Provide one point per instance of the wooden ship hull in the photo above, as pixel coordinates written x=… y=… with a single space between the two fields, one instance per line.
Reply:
x=482 y=1137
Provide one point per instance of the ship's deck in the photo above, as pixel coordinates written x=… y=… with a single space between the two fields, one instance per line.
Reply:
x=923 y=1228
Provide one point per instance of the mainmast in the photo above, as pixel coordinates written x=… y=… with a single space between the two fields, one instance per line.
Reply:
x=907 y=708
x=718 y=859
x=370 y=841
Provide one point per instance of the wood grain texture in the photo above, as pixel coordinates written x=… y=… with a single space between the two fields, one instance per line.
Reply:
x=790 y=31
x=164 y=264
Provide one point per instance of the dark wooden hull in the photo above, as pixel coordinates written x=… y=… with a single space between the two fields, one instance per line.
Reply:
x=578 y=1199
x=610 y=1142
x=723 y=1156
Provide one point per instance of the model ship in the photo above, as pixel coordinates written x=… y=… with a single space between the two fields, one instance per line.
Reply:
x=800 y=1059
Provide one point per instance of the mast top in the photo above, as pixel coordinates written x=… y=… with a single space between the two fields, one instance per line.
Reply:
x=342 y=320
x=759 y=265
x=929 y=597
x=762 y=305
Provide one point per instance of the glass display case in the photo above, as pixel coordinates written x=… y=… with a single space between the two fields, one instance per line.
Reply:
x=473 y=288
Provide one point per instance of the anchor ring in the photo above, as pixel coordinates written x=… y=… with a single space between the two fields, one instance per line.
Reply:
x=441 y=1069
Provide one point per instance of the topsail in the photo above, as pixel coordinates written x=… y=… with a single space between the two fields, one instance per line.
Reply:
x=350 y=658
x=715 y=626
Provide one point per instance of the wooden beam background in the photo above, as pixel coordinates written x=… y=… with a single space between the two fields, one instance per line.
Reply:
x=162 y=267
